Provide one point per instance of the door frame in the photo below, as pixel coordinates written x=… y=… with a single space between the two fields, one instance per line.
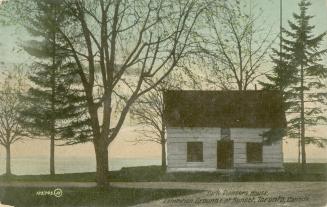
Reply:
x=230 y=152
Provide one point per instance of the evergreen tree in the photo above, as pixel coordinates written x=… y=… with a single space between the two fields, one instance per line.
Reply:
x=300 y=75
x=55 y=108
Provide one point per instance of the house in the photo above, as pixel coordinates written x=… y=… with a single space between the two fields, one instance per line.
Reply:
x=223 y=130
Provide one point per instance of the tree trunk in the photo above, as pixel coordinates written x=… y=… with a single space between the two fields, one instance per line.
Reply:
x=163 y=155
x=299 y=151
x=8 y=160
x=52 y=154
x=53 y=107
x=302 y=120
x=102 y=164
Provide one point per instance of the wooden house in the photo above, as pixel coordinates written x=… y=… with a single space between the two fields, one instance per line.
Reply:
x=223 y=130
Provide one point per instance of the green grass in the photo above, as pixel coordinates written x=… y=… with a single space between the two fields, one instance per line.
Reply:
x=86 y=196
x=27 y=196
x=71 y=177
x=315 y=172
x=318 y=168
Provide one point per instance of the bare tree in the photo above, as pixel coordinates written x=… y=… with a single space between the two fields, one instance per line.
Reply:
x=235 y=46
x=148 y=111
x=148 y=114
x=132 y=42
x=10 y=104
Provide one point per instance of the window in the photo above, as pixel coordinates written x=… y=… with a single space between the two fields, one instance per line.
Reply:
x=194 y=152
x=254 y=152
x=225 y=133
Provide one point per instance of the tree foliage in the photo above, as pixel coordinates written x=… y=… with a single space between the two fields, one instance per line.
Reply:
x=119 y=47
x=56 y=105
x=299 y=73
x=54 y=108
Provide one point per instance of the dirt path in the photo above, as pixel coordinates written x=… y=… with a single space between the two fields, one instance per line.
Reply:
x=281 y=186
x=214 y=186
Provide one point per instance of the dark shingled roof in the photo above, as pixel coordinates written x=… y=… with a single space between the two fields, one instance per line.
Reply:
x=241 y=109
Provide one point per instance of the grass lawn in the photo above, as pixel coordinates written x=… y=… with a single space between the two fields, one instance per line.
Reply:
x=311 y=167
x=72 y=177
x=85 y=196
x=315 y=172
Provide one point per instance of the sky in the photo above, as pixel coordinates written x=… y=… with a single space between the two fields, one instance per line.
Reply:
x=122 y=147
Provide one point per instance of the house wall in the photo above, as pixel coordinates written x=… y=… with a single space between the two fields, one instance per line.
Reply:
x=177 y=139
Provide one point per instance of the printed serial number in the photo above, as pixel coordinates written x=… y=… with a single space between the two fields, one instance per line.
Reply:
x=56 y=192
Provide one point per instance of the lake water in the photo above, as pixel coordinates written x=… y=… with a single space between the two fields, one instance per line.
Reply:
x=40 y=165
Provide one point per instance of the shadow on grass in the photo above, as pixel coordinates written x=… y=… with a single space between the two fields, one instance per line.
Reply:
x=86 y=196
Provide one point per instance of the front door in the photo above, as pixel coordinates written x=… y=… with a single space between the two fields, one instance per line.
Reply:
x=225 y=154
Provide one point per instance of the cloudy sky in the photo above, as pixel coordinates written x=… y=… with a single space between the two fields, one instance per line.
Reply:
x=121 y=147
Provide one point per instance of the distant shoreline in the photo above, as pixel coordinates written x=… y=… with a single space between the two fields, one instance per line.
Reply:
x=40 y=165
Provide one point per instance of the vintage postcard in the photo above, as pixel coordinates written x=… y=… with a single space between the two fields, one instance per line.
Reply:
x=163 y=103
